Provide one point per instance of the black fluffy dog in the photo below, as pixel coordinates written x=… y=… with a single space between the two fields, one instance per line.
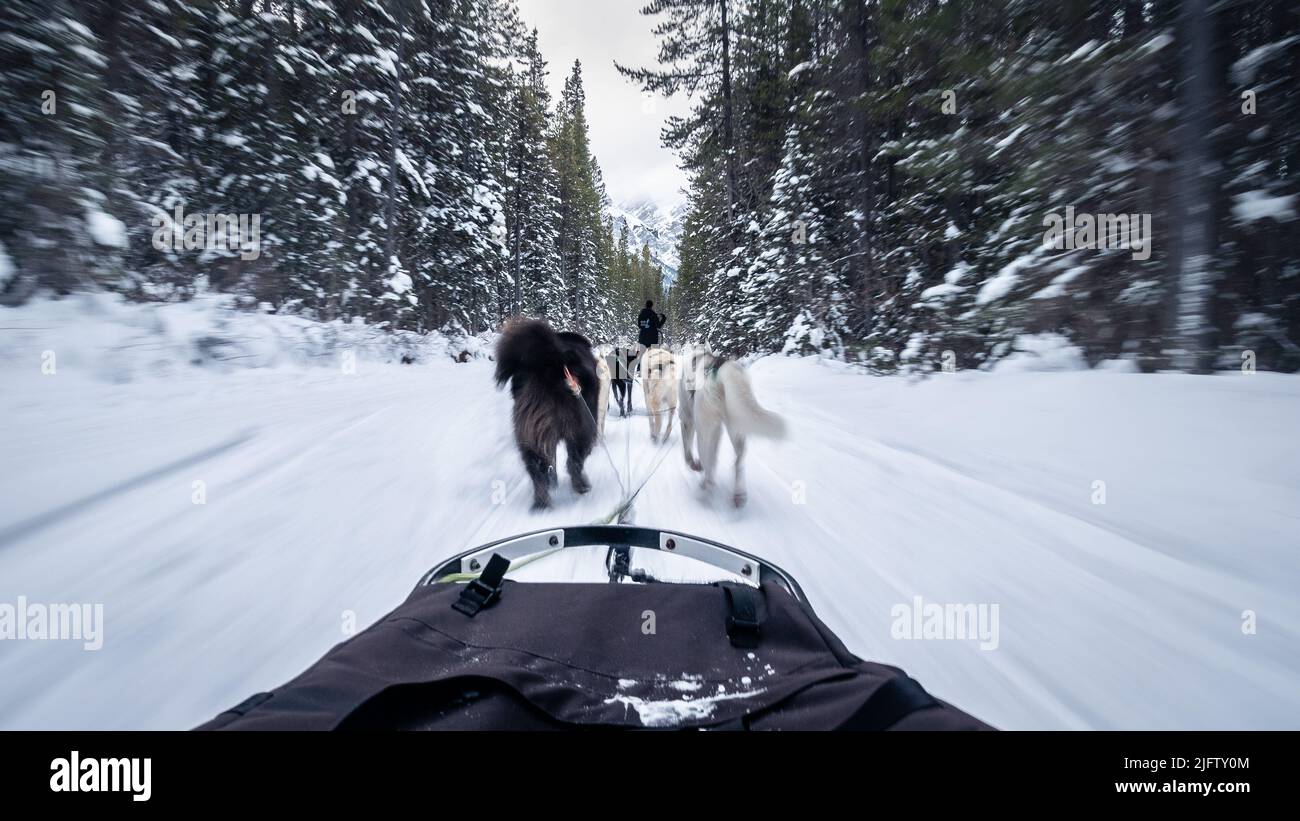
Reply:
x=533 y=358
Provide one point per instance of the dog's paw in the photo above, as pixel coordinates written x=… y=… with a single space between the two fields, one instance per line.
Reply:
x=694 y=464
x=580 y=484
x=739 y=499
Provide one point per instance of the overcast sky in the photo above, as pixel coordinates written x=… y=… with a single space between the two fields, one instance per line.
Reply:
x=625 y=125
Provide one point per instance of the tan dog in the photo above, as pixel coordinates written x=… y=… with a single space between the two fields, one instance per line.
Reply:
x=659 y=381
x=602 y=397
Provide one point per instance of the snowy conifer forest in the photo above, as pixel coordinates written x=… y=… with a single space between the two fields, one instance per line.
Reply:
x=872 y=178
x=868 y=180
x=396 y=161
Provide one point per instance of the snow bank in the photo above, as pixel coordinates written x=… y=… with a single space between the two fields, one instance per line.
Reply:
x=1042 y=352
x=111 y=339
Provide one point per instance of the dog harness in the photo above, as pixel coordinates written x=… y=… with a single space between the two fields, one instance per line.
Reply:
x=571 y=382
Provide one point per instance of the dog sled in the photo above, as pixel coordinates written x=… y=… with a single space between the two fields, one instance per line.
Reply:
x=599 y=627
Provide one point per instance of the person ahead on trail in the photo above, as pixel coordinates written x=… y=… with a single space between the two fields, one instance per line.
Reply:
x=649 y=324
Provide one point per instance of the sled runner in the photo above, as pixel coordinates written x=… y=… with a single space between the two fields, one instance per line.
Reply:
x=599 y=627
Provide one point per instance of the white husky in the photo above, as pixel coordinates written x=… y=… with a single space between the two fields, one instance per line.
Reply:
x=712 y=393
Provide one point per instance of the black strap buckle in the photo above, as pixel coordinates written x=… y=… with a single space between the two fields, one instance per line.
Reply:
x=484 y=590
x=744 y=627
x=889 y=704
x=618 y=561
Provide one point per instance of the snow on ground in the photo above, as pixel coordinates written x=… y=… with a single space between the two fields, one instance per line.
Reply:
x=328 y=492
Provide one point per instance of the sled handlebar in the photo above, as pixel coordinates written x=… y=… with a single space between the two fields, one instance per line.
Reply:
x=747 y=567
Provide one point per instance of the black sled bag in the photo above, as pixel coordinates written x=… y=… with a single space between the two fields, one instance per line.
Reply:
x=559 y=656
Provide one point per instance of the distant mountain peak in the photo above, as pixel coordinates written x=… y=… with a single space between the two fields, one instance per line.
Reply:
x=648 y=224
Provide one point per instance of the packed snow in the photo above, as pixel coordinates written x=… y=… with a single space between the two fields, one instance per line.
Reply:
x=238 y=490
x=1001 y=284
x=106 y=229
x=1257 y=205
x=677 y=711
x=1244 y=70
x=6 y=266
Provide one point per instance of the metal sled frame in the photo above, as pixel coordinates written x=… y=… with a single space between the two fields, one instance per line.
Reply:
x=619 y=538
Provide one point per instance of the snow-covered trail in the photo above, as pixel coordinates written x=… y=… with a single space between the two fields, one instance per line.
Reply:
x=327 y=495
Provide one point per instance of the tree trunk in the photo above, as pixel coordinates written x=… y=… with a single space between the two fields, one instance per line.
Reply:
x=728 y=132
x=1133 y=22
x=394 y=139
x=1194 y=194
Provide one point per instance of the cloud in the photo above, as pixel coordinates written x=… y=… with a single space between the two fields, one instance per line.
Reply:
x=625 y=124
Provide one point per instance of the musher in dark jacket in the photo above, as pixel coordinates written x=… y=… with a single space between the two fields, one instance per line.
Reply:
x=648 y=324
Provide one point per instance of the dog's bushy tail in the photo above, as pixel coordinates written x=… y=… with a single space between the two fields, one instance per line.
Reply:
x=526 y=346
x=744 y=414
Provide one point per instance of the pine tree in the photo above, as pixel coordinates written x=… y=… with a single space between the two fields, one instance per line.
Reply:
x=459 y=251
x=580 y=240
x=532 y=199
x=53 y=226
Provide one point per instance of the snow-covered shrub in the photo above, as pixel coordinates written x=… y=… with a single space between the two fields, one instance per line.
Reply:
x=111 y=338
